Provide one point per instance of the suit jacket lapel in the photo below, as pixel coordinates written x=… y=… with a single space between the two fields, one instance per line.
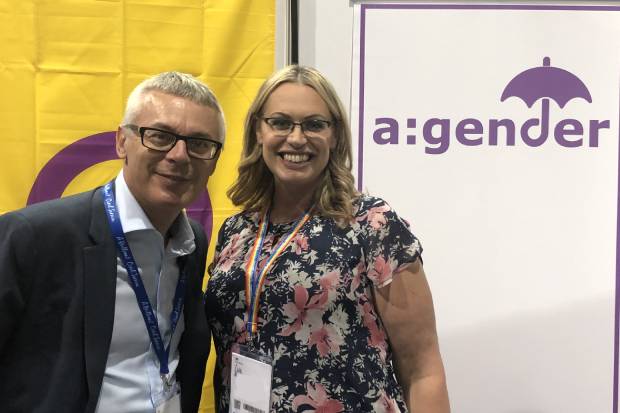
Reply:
x=99 y=298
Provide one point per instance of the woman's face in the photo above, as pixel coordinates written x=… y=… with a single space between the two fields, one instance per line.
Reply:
x=297 y=157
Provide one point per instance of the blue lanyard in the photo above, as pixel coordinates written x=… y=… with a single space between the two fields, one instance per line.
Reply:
x=135 y=280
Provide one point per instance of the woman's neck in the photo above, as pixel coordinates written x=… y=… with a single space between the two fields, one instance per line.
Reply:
x=288 y=206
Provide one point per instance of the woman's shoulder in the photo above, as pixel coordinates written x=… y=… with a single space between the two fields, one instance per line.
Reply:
x=364 y=203
x=240 y=220
x=240 y=216
x=377 y=213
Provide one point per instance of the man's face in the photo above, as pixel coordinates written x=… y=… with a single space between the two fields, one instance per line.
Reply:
x=165 y=182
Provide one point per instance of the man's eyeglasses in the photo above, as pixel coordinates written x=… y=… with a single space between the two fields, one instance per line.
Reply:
x=285 y=126
x=163 y=141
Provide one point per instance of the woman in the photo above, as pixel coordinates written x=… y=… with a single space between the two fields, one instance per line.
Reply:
x=325 y=282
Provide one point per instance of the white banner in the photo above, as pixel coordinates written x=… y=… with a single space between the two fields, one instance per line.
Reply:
x=494 y=130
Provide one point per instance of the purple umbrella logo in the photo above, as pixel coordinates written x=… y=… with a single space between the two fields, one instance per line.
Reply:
x=543 y=83
x=58 y=173
x=546 y=82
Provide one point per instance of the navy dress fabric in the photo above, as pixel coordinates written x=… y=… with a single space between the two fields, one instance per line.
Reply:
x=316 y=319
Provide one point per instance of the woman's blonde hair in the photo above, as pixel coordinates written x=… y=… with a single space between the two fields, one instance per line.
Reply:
x=335 y=193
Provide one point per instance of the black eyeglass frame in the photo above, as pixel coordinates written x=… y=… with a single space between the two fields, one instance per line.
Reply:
x=142 y=129
x=300 y=124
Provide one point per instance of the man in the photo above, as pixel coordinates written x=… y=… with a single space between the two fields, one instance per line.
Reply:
x=100 y=293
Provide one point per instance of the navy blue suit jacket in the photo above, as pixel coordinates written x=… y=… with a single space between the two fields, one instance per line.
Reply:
x=57 y=295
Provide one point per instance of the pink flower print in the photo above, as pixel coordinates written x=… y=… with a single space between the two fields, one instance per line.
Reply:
x=377 y=338
x=381 y=272
x=317 y=399
x=385 y=404
x=328 y=283
x=326 y=339
x=300 y=244
x=229 y=253
x=329 y=280
x=376 y=216
x=357 y=277
x=261 y=264
x=240 y=331
x=302 y=314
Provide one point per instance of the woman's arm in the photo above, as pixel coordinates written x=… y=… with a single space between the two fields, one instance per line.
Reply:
x=406 y=309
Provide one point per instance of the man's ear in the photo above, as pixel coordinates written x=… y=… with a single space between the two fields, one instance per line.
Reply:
x=121 y=140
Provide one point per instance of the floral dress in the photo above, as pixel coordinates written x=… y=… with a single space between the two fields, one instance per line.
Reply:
x=316 y=315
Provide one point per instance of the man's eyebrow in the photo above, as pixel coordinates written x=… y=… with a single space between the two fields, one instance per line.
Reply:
x=166 y=127
x=163 y=126
x=201 y=135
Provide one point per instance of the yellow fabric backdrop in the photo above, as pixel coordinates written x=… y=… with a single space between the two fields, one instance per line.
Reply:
x=67 y=66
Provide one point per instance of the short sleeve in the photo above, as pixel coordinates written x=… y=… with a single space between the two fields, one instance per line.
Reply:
x=387 y=239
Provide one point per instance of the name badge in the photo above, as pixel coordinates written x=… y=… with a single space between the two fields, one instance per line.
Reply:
x=250 y=382
x=172 y=405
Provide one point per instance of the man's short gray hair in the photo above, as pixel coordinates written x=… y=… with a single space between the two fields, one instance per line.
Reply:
x=176 y=84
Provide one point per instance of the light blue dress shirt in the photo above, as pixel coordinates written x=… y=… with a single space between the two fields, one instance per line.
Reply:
x=132 y=382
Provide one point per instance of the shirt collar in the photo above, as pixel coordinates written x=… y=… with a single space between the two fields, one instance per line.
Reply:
x=133 y=218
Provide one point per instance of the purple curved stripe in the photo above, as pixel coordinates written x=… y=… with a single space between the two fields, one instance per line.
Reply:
x=546 y=81
x=69 y=163
x=200 y=210
x=59 y=171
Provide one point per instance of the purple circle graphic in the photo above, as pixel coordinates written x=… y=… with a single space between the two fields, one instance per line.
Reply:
x=86 y=152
